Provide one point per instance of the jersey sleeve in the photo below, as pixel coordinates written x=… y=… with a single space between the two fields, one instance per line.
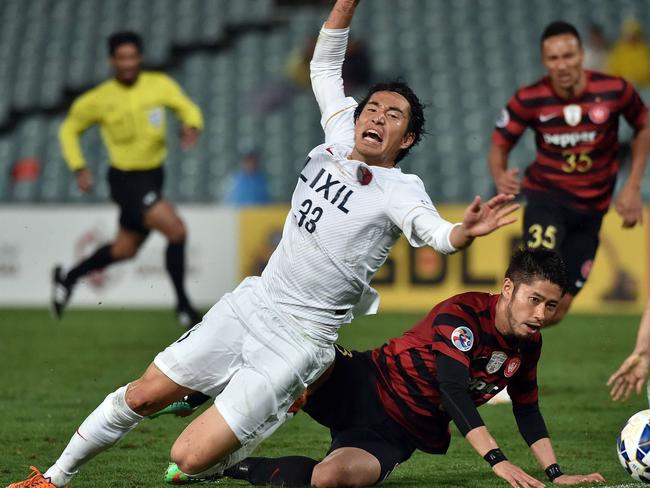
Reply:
x=632 y=107
x=523 y=385
x=83 y=113
x=185 y=109
x=326 y=67
x=454 y=333
x=410 y=208
x=511 y=123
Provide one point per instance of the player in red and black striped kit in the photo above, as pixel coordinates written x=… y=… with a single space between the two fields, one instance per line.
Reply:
x=382 y=405
x=575 y=115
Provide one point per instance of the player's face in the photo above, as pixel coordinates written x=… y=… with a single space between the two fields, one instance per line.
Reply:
x=562 y=56
x=530 y=306
x=126 y=62
x=380 y=131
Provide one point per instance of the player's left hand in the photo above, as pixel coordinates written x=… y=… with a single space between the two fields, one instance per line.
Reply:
x=189 y=136
x=481 y=219
x=576 y=479
x=630 y=376
x=629 y=206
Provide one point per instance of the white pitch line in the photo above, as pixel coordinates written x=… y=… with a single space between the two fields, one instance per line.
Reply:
x=632 y=485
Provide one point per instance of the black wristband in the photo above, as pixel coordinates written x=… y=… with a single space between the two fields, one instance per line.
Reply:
x=494 y=456
x=553 y=471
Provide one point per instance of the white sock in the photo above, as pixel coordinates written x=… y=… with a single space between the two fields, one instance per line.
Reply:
x=103 y=428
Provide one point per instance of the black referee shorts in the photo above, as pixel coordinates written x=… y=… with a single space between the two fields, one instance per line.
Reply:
x=572 y=233
x=135 y=192
x=348 y=404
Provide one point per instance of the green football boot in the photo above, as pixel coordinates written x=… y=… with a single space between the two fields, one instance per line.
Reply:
x=181 y=408
x=174 y=476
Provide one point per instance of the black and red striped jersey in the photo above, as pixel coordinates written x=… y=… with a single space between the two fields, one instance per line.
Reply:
x=577 y=139
x=461 y=327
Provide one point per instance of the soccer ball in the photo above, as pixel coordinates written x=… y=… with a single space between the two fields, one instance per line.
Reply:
x=633 y=446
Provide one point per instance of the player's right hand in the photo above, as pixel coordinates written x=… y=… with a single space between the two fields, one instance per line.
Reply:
x=508 y=182
x=630 y=376
x=84 y=180
x=515 y=476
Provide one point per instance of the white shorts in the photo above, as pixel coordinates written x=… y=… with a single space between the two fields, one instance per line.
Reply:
x=253 y=361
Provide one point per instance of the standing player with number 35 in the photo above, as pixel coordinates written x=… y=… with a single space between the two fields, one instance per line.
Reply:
x=259 y=347
x=568 y=187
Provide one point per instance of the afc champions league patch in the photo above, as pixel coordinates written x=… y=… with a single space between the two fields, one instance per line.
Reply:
x=502 y=119
x=511 y=367
x=496 y=361
x=573 y=114
x=463 y=338
x=585 y=269
x=598 y=114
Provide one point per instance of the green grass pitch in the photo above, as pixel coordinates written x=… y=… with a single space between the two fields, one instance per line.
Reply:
x=54 y=374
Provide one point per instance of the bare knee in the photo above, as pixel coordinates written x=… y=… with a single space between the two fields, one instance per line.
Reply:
x=329 y=475
x=177 y=232
x=182 y=456
x=142 y=397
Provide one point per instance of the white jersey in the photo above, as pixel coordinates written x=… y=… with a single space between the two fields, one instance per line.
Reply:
x=341 y=226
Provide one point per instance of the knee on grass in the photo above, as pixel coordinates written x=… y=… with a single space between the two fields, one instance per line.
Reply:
x=329 y=475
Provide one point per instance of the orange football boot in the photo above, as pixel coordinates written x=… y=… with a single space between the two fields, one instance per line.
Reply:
x=34 y=480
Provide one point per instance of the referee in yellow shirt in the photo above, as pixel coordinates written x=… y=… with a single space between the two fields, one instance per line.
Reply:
x=130 y=110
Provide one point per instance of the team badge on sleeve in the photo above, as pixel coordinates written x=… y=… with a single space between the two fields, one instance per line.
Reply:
x=511 y=367
x=463 y=338
x=496 y=361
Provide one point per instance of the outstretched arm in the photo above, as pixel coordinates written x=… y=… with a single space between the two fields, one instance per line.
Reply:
x=543 y=451
x=326 y=73
x=453 y=378
x=633 y=373
x=482 y=219
x=341 y=14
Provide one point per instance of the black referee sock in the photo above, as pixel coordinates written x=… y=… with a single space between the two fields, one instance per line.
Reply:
x=290 y=471
x=175 y=263
x=99 y=260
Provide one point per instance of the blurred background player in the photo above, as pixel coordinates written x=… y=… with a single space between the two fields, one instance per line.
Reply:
x=568 y=187
x=382 y=405
x=130 y=110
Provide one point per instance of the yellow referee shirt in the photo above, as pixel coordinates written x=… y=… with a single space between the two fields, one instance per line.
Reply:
x=131 y=119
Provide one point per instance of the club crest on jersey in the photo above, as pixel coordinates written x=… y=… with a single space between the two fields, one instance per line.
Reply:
x=463 y=338
x=496 y=361
x=364 y=174
x=573 y=114
x=598 y=114
x=511 y=367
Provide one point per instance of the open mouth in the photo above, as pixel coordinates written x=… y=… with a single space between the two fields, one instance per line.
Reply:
x=532 y=328
x=372 y=136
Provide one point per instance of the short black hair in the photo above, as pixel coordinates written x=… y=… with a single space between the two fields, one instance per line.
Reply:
x=557 y=28
x=416 y=118
x=528 y=265
x=116 y=39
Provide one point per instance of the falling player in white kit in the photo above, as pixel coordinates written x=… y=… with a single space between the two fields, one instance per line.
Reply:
x=258 y=348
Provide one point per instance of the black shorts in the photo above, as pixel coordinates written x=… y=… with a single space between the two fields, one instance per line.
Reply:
x=347 y=403
x=573 y=233
x=134 y=192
